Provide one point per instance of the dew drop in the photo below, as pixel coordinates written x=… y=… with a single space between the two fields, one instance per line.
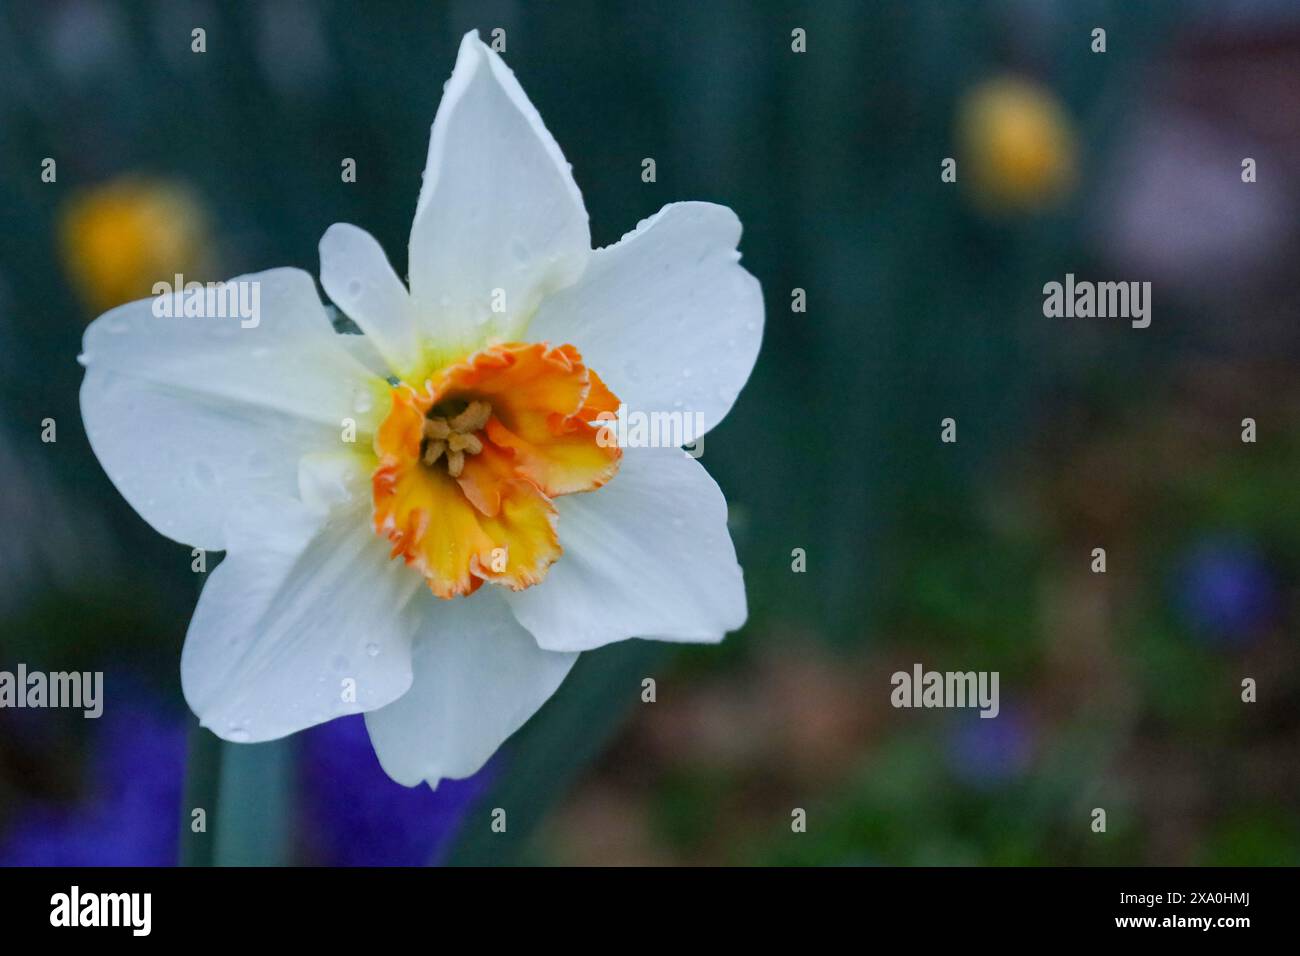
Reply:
x=372 y=649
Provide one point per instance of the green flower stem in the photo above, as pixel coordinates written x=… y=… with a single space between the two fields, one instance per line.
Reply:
x=243 y=791
x=202 y=784
x=254 y=813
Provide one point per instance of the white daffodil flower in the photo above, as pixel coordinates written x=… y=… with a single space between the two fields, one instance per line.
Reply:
x=455 y=434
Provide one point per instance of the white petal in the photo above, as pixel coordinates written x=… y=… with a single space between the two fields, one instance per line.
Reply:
x=479 y=676
x=327 y=480
x=362 y=348
x=500 y=220
x=358 y=279
x=667 y=316
x=190 y=416
x=648 y=555
x=305 y=620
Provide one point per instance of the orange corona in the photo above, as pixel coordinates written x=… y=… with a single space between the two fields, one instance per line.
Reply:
x=470 y=462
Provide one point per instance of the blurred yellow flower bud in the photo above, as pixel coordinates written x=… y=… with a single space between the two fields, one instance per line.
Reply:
x=1018 y=145
x=118 y=239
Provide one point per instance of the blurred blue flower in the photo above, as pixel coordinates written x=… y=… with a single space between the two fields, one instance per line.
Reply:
x=130 y=814
x=985 y=752
x=1225 y=591
x=352 y=814
x=356 y=815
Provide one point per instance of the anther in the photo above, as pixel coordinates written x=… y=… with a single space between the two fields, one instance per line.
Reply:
x=474 y=417
x=455 y=436
x=468 y=443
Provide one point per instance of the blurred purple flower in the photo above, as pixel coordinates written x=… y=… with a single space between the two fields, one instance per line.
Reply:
x=355 y=815
x=985 y=752
x=1225 y=590
x=130 y=815
x=352 y=814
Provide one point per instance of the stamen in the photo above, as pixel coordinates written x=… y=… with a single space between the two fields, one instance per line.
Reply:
x=455 y=436
x=473 y=418
x=455 y=463
x=469 y=443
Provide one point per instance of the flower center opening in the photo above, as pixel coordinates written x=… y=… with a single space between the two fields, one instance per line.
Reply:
x=450 y=433
x=470 y=460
